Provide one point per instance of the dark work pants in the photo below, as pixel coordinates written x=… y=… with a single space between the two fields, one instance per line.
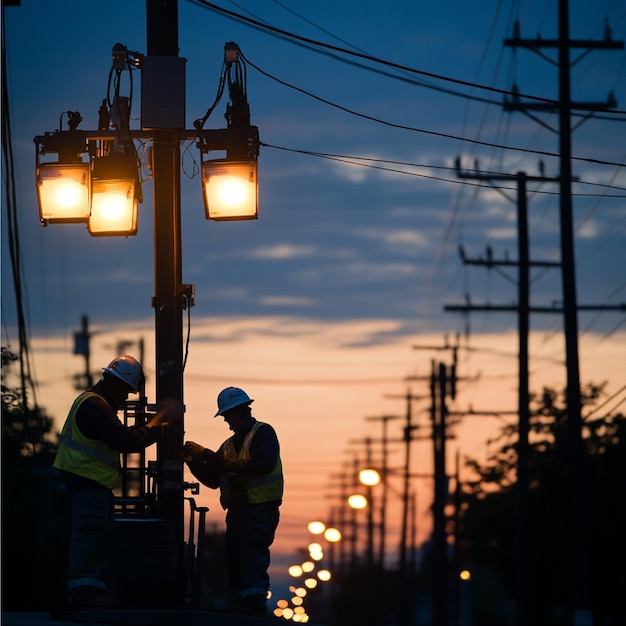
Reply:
x=250 y=530
x=90 y=543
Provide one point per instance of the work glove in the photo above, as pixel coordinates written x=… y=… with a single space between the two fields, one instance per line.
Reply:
x=169 y=412
x=191 y=451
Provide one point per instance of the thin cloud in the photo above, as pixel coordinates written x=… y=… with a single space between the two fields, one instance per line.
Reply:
x=283 y=251
x=288 y=301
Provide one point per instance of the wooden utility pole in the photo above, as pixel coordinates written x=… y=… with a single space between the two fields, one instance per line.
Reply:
x=522 y=508
x=82 y=347
x=384 y=478
x=405 y=608
x=580 y=603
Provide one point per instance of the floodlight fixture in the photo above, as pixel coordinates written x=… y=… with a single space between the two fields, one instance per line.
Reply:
x=116 y=193
x=63 y=186
x=230 y=190
x=63 y=192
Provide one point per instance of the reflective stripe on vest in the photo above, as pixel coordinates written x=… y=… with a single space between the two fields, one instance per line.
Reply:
x=266 y=488
x=89 y=458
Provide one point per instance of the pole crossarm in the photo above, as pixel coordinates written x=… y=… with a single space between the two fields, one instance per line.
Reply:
x=515 y=104
x=208 y=139
x=489 y=262
x=539 y=42
x=465 y=308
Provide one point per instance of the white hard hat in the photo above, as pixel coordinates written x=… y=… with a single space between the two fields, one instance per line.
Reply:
x=126 y=368
x=231 y=397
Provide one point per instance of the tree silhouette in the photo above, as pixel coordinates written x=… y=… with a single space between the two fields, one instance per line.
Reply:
x=35 y=506
x=27 y=437
x=487 y=520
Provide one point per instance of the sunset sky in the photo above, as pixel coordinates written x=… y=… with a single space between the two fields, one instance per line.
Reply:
x=316 y=308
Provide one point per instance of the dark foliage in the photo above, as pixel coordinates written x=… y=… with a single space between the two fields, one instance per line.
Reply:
x=27 y=438
x=488 y=519
x=35 y=505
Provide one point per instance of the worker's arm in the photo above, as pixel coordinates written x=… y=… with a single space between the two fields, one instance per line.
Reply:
x=97 y=420
x=203 y=464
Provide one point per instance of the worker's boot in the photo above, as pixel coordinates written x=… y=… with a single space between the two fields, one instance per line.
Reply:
x=88 y=598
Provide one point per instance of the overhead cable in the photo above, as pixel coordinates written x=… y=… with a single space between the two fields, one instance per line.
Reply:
x=421 y=130
x=404 y=68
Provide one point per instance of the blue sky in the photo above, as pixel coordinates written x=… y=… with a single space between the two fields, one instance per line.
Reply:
x=335 y=240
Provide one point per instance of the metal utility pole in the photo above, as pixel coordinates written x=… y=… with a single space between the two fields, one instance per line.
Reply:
x=581 y=613
x=165 y=120
x=162 y=42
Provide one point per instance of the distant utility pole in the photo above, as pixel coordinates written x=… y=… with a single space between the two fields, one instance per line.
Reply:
x=581 y=613
x=370 y=497
x=405 y=594
x=443 y=385
x=347 y=554
x=438 y=417
x=82 y=347
x=522 y=512
x=523 y=309
x=384 y=478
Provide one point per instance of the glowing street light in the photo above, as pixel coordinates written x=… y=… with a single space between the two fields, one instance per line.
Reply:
x=332 y=535
x=369 y=477
x=230 y=190
x=64 y=192
x=357 y=501
x=316 y=527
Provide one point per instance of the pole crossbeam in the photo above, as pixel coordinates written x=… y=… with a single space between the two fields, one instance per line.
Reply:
x=533 y=309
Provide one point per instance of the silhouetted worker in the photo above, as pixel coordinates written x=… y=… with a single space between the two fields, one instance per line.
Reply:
x=89 y=457
x=248 y=471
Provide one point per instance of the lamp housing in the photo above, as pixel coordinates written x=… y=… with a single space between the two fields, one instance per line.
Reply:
x=115 y=195
x=230 y=189
x=63 y=192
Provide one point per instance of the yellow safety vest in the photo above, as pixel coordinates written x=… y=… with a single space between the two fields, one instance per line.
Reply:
x=266 y=488
x=89 y=458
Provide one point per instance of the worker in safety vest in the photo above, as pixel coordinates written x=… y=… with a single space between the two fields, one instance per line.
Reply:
x=248 y=471
x=89 y=458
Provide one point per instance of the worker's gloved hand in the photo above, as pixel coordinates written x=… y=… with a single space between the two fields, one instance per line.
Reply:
x=170 y=412
x=191 y=450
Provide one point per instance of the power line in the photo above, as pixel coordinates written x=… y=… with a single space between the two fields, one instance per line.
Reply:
x=354 y=160
x=418 y=130
x=404 y=68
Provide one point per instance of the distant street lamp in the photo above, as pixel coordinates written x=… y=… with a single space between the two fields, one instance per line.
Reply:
x=316 y=527
x=369 y=477
x=332 y=535
x=357 y=501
